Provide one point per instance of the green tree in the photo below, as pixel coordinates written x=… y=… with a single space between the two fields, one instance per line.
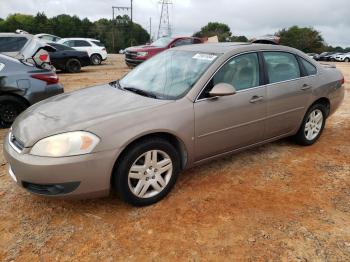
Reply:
x=221 y=30
x=240 y=38
x=305 y=39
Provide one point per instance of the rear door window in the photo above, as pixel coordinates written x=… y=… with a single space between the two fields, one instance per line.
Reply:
x=281 y=66
x=12 y=44
x=81 y=43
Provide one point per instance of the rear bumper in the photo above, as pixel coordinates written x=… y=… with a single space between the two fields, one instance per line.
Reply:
x=336 y=99
x=85 y=176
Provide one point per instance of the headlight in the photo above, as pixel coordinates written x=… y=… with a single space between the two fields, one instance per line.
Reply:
x=142 y=54
x=67 y=144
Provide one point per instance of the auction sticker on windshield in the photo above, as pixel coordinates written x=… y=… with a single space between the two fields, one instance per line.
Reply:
x=207 y=57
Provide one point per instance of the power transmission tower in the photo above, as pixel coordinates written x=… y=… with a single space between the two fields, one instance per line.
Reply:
x=164 y=28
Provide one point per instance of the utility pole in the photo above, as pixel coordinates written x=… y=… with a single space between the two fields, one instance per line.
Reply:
x=164 y=28
x=150 y=29
x=120 y=11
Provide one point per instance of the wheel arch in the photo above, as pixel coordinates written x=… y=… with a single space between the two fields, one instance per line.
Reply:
x=19 y=97
x=171 y=138
x=323 y=101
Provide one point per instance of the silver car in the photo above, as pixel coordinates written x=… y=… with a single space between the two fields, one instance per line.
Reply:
x=182 y=108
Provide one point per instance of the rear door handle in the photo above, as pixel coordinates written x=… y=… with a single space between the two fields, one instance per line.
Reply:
x=256 y=99
x=305 y=87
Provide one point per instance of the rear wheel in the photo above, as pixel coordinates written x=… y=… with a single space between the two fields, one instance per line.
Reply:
x=347 y=60
x=147 y=172
x=73 y=66
x=312 y=126
x=96 y=59
x=10 y=108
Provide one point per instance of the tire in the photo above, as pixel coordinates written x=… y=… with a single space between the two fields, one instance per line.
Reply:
x=312 y=126
x=10 y=108
x=347 y=60
x=142 y=184
x=96 y=59
x=73 y=66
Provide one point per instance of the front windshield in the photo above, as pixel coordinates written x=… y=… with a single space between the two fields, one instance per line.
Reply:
x=162 y=42
x=169 y=75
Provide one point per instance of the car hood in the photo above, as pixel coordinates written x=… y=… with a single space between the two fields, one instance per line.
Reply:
x=77 y=111
x=144 y=48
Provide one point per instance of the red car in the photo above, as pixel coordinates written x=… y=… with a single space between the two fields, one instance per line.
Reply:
x=137 y=54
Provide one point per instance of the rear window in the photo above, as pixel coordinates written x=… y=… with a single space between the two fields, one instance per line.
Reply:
x=12 y=44
x=98 y=43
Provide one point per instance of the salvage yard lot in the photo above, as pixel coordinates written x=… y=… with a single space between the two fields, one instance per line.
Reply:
x=275 y=202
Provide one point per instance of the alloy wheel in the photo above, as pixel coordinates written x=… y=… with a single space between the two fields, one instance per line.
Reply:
x=150 y=174
x=313 y=124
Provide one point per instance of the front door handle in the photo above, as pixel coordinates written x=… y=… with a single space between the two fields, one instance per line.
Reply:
x=305 y=87
x=256 y=99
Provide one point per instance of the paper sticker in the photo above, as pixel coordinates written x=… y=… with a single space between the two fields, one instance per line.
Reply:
x=207 y=57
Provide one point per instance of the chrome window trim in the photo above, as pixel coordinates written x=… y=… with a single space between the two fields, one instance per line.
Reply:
x=249 y=89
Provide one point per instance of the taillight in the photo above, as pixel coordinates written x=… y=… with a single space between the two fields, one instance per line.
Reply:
x=342 y=81
x=104 y=49
x=44 y=58
x=48 y=78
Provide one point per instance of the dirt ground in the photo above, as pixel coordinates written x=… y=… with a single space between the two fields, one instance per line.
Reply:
x=278 y=202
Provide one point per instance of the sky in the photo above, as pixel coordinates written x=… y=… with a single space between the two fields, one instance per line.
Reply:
x=251 y=18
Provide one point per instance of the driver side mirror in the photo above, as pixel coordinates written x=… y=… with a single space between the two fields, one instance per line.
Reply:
x=222 y=89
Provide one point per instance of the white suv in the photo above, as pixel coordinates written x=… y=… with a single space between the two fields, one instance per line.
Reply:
x=343 y=57
x=96 y=50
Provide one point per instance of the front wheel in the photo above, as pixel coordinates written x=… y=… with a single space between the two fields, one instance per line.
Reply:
x=147 y=172
x=312 y=126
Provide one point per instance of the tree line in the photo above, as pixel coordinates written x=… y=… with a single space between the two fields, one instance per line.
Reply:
x=115 y=34
x=121 y=33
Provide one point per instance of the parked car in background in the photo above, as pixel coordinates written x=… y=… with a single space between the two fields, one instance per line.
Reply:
x=313 y=56
x=267 y=39
x=137 y=54
x=332 y=57
x=181 y=108
x=48 y=38
x=343 y=57
x=22 y=84
x=68 y=59
x=96 y=50
x=326 y=56
x=12 y=43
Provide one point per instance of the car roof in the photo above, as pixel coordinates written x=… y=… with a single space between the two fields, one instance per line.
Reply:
x=222 y=48
x=16 y=34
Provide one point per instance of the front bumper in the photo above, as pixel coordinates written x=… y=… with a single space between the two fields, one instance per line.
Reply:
x=85 y=176
x=133 y=62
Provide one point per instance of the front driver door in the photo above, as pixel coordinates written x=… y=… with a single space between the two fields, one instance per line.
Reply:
x=227 y=123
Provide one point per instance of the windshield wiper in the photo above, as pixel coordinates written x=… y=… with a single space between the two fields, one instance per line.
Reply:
x=116 y=84
x=140 y=92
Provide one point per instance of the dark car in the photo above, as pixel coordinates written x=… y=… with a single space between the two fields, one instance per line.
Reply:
x=21 y=85
x=68 y=59
x=326 y=56
x=137 y=54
